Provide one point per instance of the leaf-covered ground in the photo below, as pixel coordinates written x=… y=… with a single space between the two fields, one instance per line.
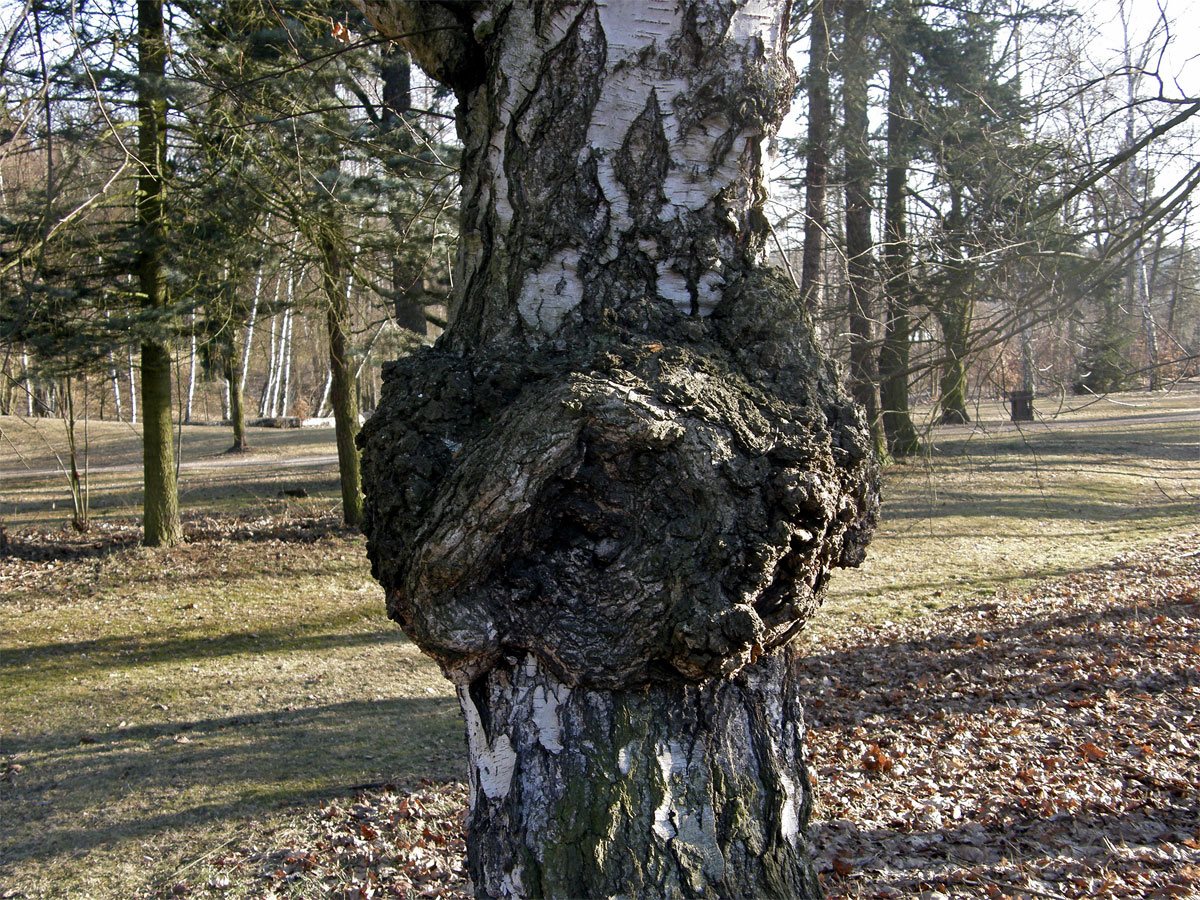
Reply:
x=1044 y=744
x=1039 y=744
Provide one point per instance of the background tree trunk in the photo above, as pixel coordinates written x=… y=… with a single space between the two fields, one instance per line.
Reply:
x=237 y=408
x=343 y=389
x=162 y=525
x=613 y=491
x=954 y=315
x=860 y=174
x=954 y=311
x=816 y=172
x=898 y=427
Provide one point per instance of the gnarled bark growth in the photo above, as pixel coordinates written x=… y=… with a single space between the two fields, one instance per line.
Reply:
x=615 y=488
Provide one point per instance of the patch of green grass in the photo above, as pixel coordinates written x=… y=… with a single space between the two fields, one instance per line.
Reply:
x=155 y=699
x=993 y=506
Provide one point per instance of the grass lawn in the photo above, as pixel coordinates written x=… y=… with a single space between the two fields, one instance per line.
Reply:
x=157 y=706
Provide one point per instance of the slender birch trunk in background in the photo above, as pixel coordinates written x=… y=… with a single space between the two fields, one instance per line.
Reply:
x=288 y=326
x=258 y=280
x=191 y=391
x=133 y=409
x=264 y=401
x=116 y=382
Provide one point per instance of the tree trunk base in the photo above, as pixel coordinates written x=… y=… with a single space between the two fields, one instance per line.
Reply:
x=674 y=791
x=953 y=416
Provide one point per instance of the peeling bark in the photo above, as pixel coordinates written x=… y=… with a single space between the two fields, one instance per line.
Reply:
x=614 y=489
x=680 y=790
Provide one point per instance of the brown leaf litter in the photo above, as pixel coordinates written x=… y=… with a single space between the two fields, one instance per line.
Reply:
x=1042 y=744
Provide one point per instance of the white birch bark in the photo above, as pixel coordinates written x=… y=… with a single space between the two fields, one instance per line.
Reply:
x=133 y=410
x=286 y=379
x=264 y=402
x=191 y=391
x=323 y=406
x=116 y=382
x=258 y=280
x=29 y=383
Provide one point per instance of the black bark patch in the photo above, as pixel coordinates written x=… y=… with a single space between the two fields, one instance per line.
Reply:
x=642 y=164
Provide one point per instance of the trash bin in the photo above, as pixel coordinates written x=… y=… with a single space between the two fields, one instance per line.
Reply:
x=1021 y=406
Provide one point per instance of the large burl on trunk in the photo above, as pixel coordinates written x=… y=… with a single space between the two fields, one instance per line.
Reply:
x=614 y=490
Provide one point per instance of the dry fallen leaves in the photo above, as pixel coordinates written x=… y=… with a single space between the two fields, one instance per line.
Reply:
x=1042 y=744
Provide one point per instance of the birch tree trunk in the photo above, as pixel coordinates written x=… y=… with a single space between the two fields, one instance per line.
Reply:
x=613 y=491
x=285 y=389
x=116 y=383
x=132 y=386
x=264 y=403
x=192 y=363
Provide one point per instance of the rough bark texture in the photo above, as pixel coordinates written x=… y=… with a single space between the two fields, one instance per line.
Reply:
x=615 y=487
x=161 y=505
x=678 y=790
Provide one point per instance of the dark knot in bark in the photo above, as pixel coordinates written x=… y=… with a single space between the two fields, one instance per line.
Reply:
x=629 y=510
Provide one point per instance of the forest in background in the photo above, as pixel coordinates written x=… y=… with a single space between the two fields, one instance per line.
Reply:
x=240 y=210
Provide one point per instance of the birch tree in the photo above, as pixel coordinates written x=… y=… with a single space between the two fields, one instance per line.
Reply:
x=611 y=494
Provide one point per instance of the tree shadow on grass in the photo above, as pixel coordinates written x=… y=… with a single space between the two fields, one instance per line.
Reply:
x=111 y=538
x=165 y=646
x=1173 y=441
x=1019 y=505
x=135 y=783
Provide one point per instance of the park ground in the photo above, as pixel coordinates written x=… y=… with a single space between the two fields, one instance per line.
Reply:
x=1004 y=700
